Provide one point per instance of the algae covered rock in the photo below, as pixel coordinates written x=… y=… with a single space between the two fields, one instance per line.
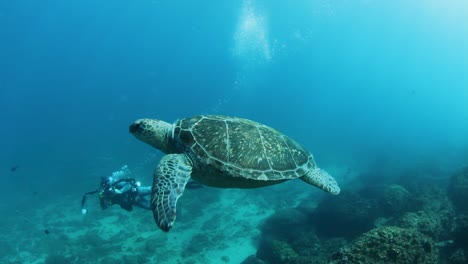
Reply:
x=277 y=251
x=346 y=215
x=389 y=245
x=288 y=236
x=395 y=200
x=432 y=213
x=461 y=231
x=285 y=224
x=459 y=257
x=458 y=190
x=284 y=234
x=427 y=223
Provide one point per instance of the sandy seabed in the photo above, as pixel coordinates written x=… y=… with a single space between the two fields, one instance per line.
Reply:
x=212 y=226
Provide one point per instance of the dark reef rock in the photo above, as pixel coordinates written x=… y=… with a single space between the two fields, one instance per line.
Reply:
x=280 y=232
x=428 y=210
x=346 y=215
x=277 y=251
x=285 y=224
x=389 y=245
x=288 y=236
x=433 y=198
x=252 y=260
x=299 y=252
x=414 y=227
x=459 y=257
x=461 y=232
x=458 y=190
x=427 y=223
x=395 y=200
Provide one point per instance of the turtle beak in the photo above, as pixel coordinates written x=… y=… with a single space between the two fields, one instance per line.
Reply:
x=134 y=127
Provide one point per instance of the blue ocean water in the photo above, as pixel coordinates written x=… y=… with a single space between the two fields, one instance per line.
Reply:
x=358 y=83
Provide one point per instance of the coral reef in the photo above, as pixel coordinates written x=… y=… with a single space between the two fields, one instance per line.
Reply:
x=414 y=227
x=458 y=190
x=395 y=200
x=416 y=224
x=295 y=221
x=427 y=223
x=298 y=252
x=389 y=245
x=277 y=251
x=432 y=197
x=276 y=244
x=428 y=210
x=460 y=256
x=297 y=243
x=461 y=232
x=348 y=215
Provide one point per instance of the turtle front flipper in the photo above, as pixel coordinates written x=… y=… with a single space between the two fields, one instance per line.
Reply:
x=169 y=180
x=323 y=180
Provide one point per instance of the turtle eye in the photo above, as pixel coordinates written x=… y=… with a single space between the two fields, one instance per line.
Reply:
x=134 y=127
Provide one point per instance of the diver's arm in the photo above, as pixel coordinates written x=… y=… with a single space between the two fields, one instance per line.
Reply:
x=141 y=202
x=144 y=190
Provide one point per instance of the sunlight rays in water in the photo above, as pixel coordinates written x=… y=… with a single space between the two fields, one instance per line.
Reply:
x=251 y=43
x=251 y=50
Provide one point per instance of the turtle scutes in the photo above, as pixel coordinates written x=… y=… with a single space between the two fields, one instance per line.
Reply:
x=222 y=151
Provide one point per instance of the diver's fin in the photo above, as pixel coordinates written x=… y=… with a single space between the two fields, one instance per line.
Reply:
x=169 y=180
x=323 y=180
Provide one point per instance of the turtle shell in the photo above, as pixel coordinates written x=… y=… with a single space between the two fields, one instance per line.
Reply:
x=242 y=148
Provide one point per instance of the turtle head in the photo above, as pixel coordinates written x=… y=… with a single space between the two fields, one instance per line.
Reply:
x=152 y=131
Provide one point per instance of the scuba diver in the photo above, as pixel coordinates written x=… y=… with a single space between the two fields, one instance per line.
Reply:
x=125 y=191
x=120 y=189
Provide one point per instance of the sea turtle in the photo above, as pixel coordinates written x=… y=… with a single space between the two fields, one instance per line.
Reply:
x=225 y=152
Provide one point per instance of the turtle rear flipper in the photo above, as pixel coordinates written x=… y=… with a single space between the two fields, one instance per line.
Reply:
x=323 y=180
x=169 y=180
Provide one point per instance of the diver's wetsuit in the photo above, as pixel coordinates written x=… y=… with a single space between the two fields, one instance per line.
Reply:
x=126 y=193
x=122 y=190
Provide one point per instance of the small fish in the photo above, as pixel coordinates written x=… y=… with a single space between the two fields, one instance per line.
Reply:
x=14 y=168
x=46 y=231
